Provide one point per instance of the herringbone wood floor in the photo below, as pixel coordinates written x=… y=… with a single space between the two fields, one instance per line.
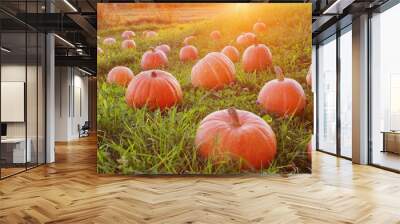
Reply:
x=70 y=191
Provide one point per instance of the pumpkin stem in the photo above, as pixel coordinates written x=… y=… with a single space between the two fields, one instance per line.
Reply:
x=153 y=74
x=152 y=49
x=279 y=73
x=235 y=117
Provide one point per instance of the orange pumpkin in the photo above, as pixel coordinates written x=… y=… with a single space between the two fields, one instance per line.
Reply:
x=214 y=71
x=215 y=35
x=232 y=53
x=99 y=50
x=259 y=27
x=153 y=89
x=236 y=134
x=153 y=59
x=309 y=151
x=128 y=44
x=120 y=75
x=282 y=96
x=164 y=48
x=309 y=77
x=109 y=41
x=189 y=40
x=150 y=34
x=128 y=34
x=188 y=53
x=246 y=39
x=256 y=58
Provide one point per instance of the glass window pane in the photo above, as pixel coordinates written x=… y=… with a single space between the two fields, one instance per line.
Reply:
x=31 y=97
x=13 y=86
x=327 y=96
x=346 y=94
x=385 y=89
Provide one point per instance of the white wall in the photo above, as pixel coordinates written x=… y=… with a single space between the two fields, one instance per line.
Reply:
x=70 y=83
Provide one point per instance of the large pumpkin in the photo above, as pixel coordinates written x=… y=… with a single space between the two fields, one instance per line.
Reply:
x=214 y=71
x=164 y=48
x=256 y=57
x=120 y=75
x=128 y=44
x=282 y=96
x=188 y=53
x=128 y=34
x=259 y=27
x=189 y=40
x=153 y=59
x=232 y=53
x=236 y=134
x=150 y=34
x=216 y=35
x=109 y=41
x=246 y=39
x=153 y=89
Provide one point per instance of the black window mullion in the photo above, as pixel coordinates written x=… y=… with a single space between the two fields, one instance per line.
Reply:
x=338 y=74
x=37 y=90
x=26 y=86
x=317 y=96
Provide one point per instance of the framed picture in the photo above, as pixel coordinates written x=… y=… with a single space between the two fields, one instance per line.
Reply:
x=209 y=89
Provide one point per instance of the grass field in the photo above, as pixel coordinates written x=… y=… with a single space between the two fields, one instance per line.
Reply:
x=138 y=141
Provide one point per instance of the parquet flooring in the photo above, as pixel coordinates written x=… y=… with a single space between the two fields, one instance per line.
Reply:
x=70 y=191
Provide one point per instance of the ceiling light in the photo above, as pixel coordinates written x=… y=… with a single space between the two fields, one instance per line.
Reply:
x=5 y=50
x=84 y=71
x=338 y=6
x=65 y=41
x=70 y=5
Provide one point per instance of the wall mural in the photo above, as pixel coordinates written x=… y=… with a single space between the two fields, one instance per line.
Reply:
x=204 y=88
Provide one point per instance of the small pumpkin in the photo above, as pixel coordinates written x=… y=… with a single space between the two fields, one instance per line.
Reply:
x=256 y=57
x=236 y=134
x=246 y=39
x=259 y=27
x=128 y=34
x=309 y=77
x=214 y=71
x=109 y=41
x=153 y=59
x=153 y=89
x=120 y=75
x=150 y=34
x=100 y=51
x=164 y=48
x=189 y=40
x=216 y=35
x=282 y=96
x=188 y=53
x=232 y=53
x=309 y=151
x=128 y=44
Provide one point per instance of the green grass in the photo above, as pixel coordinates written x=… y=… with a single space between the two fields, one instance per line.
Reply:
x=138 y=141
